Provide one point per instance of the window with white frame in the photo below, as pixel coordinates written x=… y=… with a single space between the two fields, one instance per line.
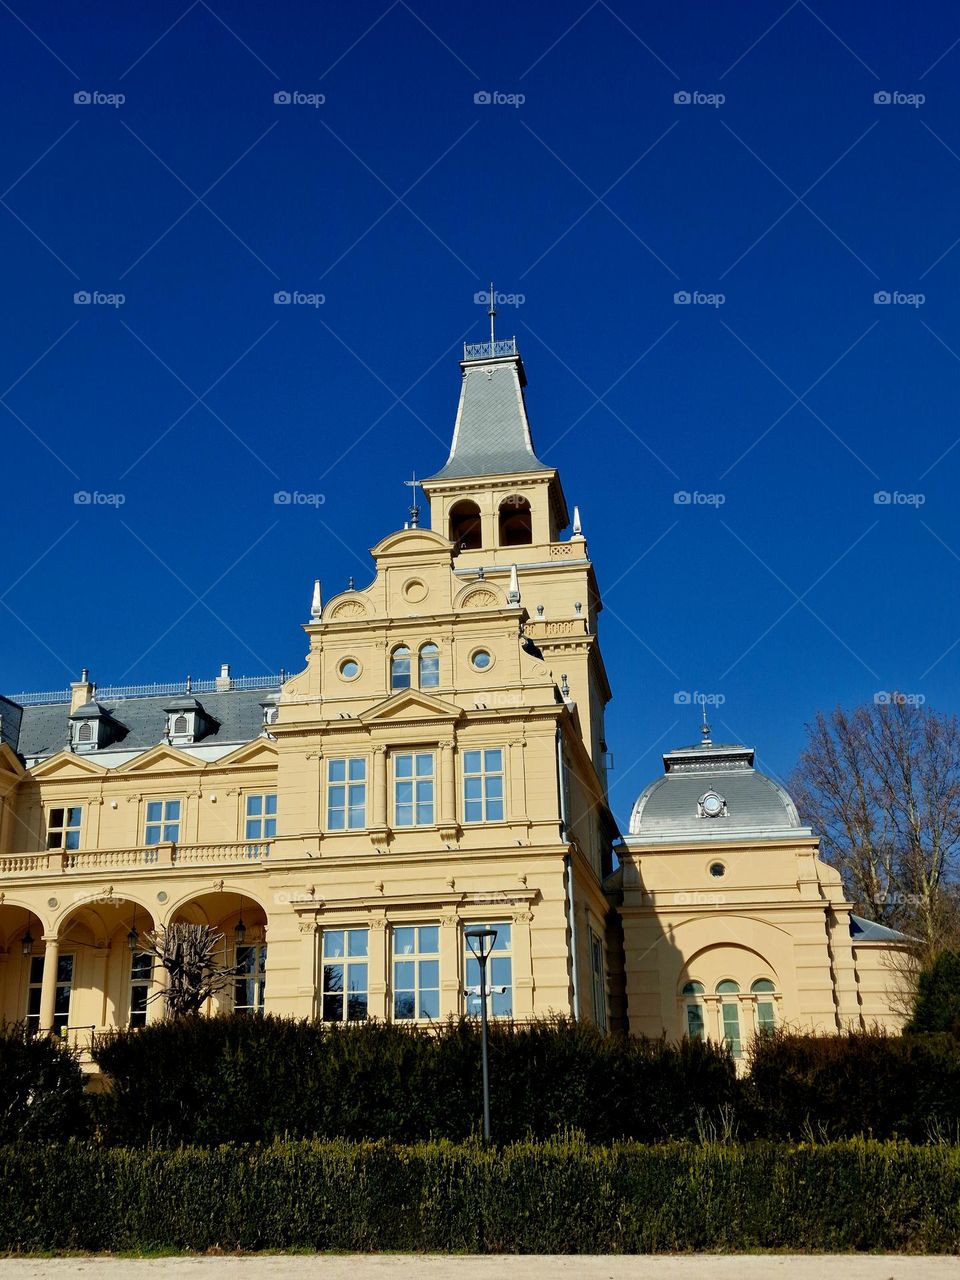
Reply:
x=483 y=785
x=763 y=991
x=400 y=668
x=413 y=786
x=346 y=794
x=499 y=973
x=63 y=827
x=64 y=988
x=429 y=667
x=729 y=992
x=260 y=816
x=416 y=972
x=163 y=822
x=692 y=994
x=597 y=981
x=141 y=979
x=250 y=982
x=345 y=995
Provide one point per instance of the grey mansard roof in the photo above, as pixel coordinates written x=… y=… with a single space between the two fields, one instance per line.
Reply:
x=236 y=716
x=492 y=432
x=754 y=805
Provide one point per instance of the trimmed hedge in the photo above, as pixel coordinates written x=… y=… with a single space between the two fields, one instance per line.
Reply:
x=562 y=1197
x=41 y=1088
x=235 y=1079
x=863 y=1082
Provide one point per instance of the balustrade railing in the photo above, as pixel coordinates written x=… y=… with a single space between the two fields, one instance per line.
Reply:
x=146 y=856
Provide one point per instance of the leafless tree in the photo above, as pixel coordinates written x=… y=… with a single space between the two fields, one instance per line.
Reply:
x=881 y=785
x=192 y=955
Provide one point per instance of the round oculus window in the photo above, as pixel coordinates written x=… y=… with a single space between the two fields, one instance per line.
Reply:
x=349 y=669
x=712 y=804
x=480 y=660
x=717 y=869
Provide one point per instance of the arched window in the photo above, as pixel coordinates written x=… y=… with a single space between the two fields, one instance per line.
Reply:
x=730 y=1011
x=693 y=1007
x=465 y=528
x=180 y=724
x=400 y=668
x=516 y=522
x=85 y=732
x=429 y=666
x=766 y=1012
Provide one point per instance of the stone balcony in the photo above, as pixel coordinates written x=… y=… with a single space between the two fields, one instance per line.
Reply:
x=65 y=861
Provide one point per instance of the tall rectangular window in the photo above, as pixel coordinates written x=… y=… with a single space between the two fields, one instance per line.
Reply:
x=346 y=794
x=250 y=983
x=731 y=1026
x=141 y=978
x=61 y=1006
x=416 y=972
x=261 y=817
x=413 y=789
x=344 y=975
x=163 y=822
x=499 y=974
x=63 y=828
x=599 y=985
x=483 y=786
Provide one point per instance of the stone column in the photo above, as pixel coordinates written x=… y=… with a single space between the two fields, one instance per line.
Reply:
x=310 y=974
x=448 y=785
x=378 y=968
x=156 y=1005
x=48 y=989
x=379 y=796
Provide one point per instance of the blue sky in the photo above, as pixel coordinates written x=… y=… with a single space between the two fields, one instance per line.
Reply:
x=782 y=587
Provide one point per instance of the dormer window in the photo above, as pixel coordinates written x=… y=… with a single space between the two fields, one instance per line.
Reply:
x=271 y=712
x=93 y=727
x=186 y=721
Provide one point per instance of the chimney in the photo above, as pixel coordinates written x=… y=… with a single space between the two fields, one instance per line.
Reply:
x=223 y=681
x=81 y=691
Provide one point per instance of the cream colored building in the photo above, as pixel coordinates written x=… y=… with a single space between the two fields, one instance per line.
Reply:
x=439 y=763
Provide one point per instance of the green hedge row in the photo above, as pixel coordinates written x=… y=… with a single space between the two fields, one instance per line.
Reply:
x=236 y=1079
x=562 y=1197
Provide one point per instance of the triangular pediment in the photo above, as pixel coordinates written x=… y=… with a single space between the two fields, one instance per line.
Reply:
x=159 y=759
x=411 y=704
x=10 y=762
x=66 y=765
x=259 y=752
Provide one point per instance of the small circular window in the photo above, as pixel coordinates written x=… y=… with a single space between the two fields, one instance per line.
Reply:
x=480 y=660
x=717 y=869
x=712 y=805
x=349 y=669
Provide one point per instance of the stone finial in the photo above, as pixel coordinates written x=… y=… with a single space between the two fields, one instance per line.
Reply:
x=513 y=595
x=577 y=526
x=316 y=604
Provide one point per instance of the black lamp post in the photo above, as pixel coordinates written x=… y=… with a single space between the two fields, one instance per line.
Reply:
x=26 y=943
x=480 y=942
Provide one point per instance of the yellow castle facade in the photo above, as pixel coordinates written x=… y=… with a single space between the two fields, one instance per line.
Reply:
x=440 y=763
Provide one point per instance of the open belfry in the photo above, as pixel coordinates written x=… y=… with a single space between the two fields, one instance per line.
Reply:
x=439 y=764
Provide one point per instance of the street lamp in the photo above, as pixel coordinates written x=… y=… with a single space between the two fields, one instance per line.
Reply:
x=26 y=943
x=480 y=942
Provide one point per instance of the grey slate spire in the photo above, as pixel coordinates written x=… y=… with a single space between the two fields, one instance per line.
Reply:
x=492 y=432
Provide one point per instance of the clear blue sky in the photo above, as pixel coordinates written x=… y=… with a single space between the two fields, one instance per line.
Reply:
x=598 y=198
